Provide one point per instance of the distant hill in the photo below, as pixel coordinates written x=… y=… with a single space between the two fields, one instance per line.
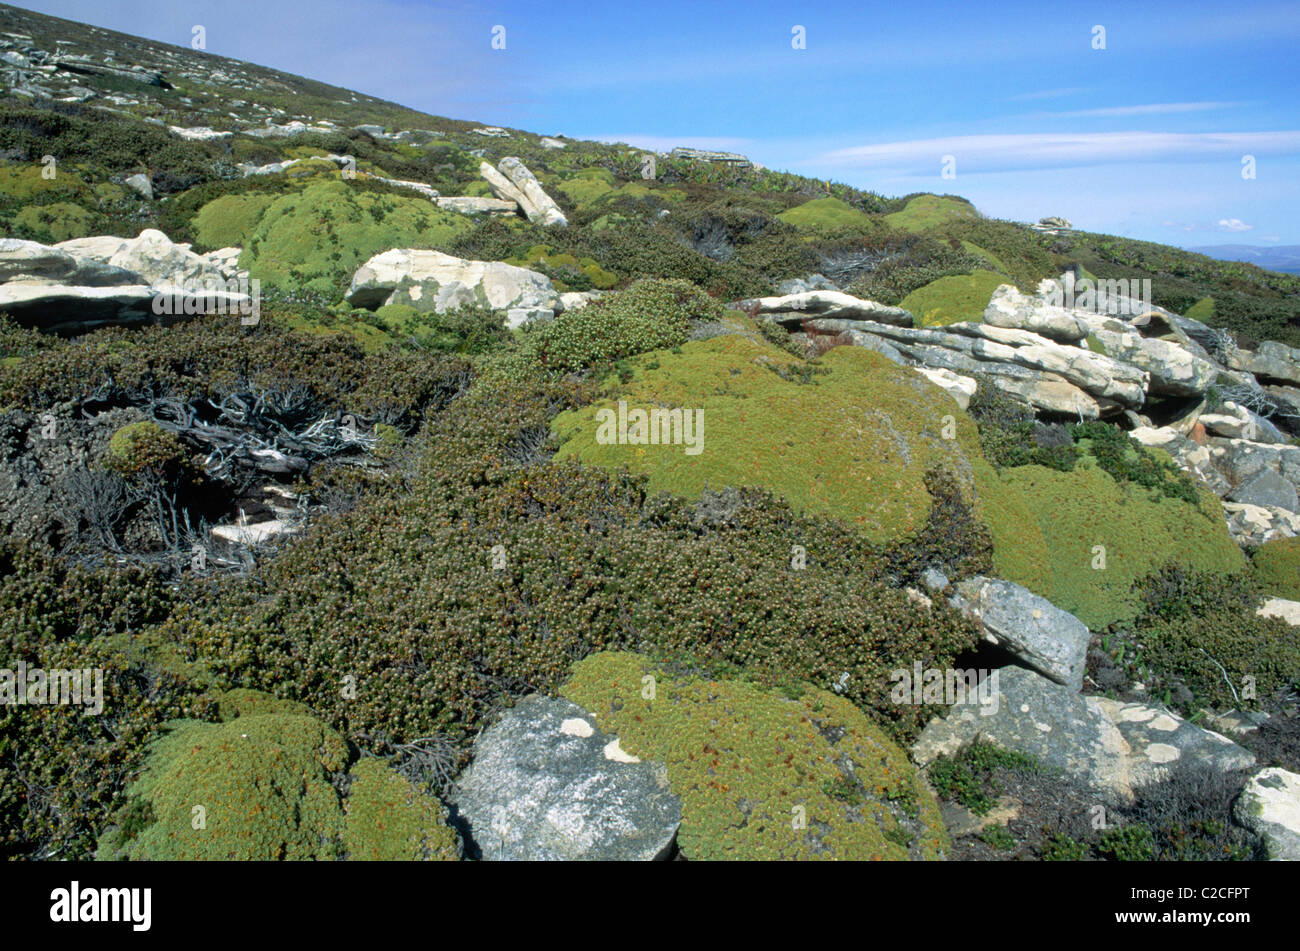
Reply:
x=1285 y=258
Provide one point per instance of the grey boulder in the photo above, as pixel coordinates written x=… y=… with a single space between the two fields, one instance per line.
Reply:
x=1035 y=631
x=1116 y=748
x=546 y=784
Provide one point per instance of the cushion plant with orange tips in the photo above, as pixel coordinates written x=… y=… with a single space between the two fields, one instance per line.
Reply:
x=762 y=773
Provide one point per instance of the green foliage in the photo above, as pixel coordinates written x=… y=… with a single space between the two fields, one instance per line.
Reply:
x=145 y=449
x=930 y=211
x=55 y=222
x=855 y=444
x=210 y=358
x=389 y=820
x=1199 y=639
x=951 y=299
x=905 y=263
x=1047 y=527
x=1011 y=436
x=263 y=782
x=968 y=776
x=827 y=214
x=1124 y=459
x=999 y=837
x=649 y=315
x=230 y=220
x=1064 y=848
x=62 y=770
x=747 y=761
x=1277 y=567
x=316 y=239
x=1128 y=843
x=468 y=329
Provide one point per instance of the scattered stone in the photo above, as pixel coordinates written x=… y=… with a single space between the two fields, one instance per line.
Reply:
x=141 y=185
x=1267 y=489
x=1270 y=806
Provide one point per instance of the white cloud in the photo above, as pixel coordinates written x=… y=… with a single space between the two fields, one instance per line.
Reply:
x=999 y=152
x=1233 y=224
x=1148 y=109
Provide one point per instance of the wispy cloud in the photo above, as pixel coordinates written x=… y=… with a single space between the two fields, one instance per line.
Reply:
x=1003 y=152
x=1233 y=224
x=1149 y=109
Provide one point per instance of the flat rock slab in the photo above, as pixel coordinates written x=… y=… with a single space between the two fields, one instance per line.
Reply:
x=1114 y=747
x=1270 y=806
x=546 y=784
x=1052 y=641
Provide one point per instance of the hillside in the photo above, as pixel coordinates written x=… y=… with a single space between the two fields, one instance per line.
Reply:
x=408 y=449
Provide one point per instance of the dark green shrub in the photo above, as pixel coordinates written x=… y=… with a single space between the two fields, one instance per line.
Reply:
x=967 y=777
x=649 y=315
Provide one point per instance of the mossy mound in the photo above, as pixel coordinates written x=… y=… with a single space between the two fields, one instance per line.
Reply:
x=566 y=271
x=762 y=774
x=388 y=819
x=930 y=211
x=255 y=788
x=826 y=214
x=145 y=448
x=1202 y=310
x=56 y=222
x=955 y=298
x=852 y=436
x=1048 y=526
x=587 y=186
x=264 y=784
x=317 y=238
x=1277 y=567
x=228 y=221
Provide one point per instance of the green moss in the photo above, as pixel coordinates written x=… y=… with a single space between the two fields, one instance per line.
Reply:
x=26 y=183
x=56 y=222
x=854 y=442
x=257 y=788
x=826 y=214
x=317 y=238
x=1277 y=566
x=583 y=190
x=1075 y=512
x=930 y=211
x=388 y=819
x=1202 y=310
x=145 y=448
x=229 y=220
x=951 y=299
x=995 y=262
x=750 y=763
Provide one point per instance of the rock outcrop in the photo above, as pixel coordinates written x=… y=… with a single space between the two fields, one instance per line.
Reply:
x=431 y=280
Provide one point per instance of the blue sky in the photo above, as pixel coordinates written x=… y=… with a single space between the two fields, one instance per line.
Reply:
x=1144 y=138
